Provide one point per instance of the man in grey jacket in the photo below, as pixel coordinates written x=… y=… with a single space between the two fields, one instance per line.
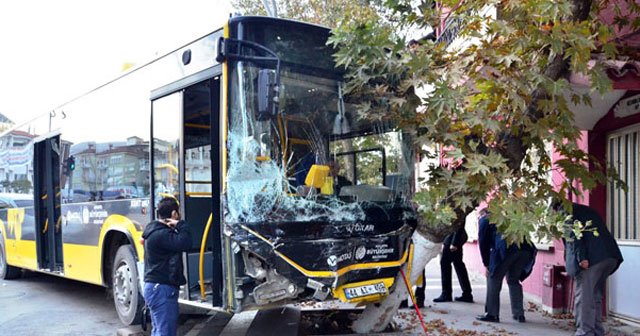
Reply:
x=590 y=259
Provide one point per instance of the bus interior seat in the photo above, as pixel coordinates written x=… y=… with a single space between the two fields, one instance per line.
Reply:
x=394 y=181
x=368 y=193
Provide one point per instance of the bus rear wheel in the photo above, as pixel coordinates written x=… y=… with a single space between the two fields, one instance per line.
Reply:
x=126 y=295
x=7 y=272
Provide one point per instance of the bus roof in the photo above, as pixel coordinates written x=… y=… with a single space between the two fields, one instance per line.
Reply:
x=118 y=77
x=232 y=21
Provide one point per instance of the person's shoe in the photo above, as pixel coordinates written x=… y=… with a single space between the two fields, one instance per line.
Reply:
x=404 y=304
x=465 y=298
x=443 y=298
x=488 y=318
x=520 y=318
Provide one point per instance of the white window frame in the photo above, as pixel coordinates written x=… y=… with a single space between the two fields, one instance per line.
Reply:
x=623 y=152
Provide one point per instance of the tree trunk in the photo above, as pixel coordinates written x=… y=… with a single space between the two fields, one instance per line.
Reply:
x=376 y=317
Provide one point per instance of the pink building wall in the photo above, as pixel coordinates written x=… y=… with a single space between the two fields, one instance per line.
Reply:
x=593 y=142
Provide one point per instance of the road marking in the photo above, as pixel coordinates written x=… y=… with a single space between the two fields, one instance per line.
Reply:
x=239 y=324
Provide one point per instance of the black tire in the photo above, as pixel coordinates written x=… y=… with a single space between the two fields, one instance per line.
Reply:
x=126 y=294
x=7 y=272
x=146 y=318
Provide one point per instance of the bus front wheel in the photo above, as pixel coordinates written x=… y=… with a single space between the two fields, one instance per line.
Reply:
x=7 y=272
x=126 y=295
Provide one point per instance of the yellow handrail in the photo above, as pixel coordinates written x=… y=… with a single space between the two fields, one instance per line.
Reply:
x=46 y=225
x=202 y=246
x=169 y=166
x=198 y=193
x=192 y=125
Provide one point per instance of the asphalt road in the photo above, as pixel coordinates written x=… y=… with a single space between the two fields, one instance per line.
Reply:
x=39 y=304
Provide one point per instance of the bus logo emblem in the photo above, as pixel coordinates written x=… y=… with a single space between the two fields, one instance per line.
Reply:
x=361 y=251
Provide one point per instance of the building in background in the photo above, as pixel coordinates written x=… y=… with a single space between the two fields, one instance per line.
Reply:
x=109 y=170
x=5 y=123
x=16 y=166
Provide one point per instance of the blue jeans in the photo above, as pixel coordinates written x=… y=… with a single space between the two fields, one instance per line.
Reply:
x=162 y=301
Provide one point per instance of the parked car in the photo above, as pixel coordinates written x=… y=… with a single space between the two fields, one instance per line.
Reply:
x=120 y=192
x=76 y=196
x=13 y=200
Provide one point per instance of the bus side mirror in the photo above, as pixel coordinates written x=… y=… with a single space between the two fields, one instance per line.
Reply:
x=267 y=94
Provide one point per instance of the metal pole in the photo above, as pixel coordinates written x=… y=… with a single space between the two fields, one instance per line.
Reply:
x=272 y=10
x=267 y=8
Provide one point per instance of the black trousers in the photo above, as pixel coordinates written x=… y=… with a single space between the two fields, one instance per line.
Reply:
x=450 y=257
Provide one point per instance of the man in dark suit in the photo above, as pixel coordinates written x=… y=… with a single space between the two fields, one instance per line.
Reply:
x=590 y=259
x=513 y=261
x=452 y=253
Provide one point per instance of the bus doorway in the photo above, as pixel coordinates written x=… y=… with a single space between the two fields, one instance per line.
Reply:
x=185 y=144
x=47 y=153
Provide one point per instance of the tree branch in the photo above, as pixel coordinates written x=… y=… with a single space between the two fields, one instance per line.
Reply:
x=512 y=147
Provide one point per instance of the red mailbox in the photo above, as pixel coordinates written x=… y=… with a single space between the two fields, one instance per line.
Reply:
x=554 y=289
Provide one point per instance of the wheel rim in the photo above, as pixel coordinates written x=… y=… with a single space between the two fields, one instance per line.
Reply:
x=122 y=286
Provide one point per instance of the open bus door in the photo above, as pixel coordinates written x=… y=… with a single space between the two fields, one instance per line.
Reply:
x=186 y=156
x=47 y=153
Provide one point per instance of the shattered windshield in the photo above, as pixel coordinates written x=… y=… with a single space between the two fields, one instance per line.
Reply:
x=317 y=160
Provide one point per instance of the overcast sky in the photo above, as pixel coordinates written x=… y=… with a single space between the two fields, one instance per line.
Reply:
x=53 y=51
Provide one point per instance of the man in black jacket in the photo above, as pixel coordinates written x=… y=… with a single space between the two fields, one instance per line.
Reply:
x=513 y=261
x=590 y=259
x=452 y=253
x=164 y=242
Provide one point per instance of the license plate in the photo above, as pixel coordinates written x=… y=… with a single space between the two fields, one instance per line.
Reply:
x=366 y=290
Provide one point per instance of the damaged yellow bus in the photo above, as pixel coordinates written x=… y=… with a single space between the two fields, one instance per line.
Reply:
x=289 y=194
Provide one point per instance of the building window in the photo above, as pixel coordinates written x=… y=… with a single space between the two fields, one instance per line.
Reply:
x=622 y=207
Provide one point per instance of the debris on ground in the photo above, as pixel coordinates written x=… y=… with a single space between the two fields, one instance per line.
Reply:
x=558 y=316
x=329 y=322
x=440 y=311
x=532 y=307
x=338 y=322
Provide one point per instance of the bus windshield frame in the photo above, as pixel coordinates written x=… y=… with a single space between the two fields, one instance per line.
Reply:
x=315 y=125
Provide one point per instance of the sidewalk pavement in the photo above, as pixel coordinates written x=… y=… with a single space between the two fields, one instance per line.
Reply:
x=458 y=318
